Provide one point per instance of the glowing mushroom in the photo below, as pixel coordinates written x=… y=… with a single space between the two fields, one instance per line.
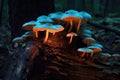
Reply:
x=95 y=49
x=28 y=34
x=88 y=40
x=71 y=11
x=70 y=18
x=59 y=28
x=86 y=35
x=44 y=19
x=48 y=27
x=85 y=15
x=29 y=25
x=17 y=40
x=87 y=31
x=84 y=51
x=116 y=56
x=56 y=16
x=71 y=35
x=106 y=56
x=96 y=44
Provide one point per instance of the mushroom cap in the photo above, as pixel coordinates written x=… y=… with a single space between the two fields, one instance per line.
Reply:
x=44 y=19
x=56 y=15
x=71 y=11
x=95 y=49
x=85 y=15
x=88 y=40
x=71 y=16
x=18 y=40
x=27 y=34
x=96 y=44
x=71 y=34
x=29 y=25
x=87 y=31
x=52 y=28
x=86 y=50
x=58 y=27
x=106 y=54
x=87 y=35
x=115 y=55
x=43 y=27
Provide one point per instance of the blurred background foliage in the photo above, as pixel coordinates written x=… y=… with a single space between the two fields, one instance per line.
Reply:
x=98 y=8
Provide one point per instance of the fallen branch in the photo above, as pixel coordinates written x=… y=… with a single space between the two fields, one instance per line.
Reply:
x=110 y=28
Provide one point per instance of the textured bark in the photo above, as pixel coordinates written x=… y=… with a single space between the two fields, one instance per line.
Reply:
x=21 y=11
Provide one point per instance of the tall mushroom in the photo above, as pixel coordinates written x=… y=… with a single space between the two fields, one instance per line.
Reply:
x=71 y=35
x=69 y=17
x=48 y=27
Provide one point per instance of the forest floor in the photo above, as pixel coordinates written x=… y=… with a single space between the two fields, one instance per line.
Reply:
x=70 y=66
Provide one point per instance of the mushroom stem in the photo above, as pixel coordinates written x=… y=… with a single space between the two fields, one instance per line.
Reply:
x=70 y=39
x=70 y=25
x=83 y=54
x=92 y=54
x=36 y=34
x=46 y=36
x=78 y=27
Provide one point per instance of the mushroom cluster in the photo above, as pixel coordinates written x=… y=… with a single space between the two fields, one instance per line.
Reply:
x=90 y=42
x=48 y=24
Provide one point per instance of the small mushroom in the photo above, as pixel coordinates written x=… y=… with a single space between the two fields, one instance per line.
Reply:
x=84 y=51
x=28 y=34
x=17 y=40
x=71 y=35
x=106 y=56
x=95 y=49
x=116 y=56
x=29 y=25
x=88 y=40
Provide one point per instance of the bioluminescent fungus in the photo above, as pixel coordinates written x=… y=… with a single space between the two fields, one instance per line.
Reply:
x=71 y=35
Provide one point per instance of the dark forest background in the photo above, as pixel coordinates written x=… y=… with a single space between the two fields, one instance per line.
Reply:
x=95 y=7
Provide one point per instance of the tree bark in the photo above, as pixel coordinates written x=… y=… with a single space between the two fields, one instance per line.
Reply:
x=21 y=11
